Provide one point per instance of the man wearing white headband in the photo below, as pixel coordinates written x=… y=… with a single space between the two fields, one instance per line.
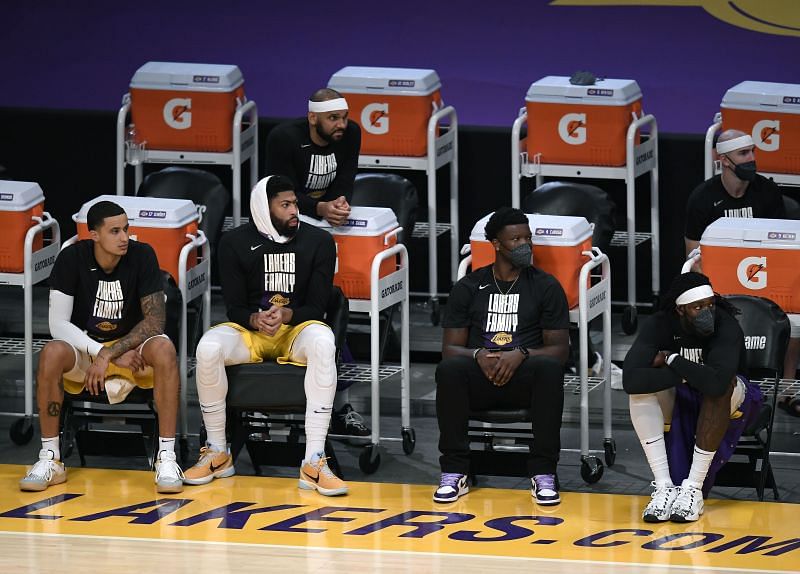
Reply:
x=277 y=277
x=319 y=153
x=689 y=396
x=738 y=192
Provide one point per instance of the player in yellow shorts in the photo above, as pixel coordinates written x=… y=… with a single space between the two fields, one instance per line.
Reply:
x=107 y=316
x=277 y=278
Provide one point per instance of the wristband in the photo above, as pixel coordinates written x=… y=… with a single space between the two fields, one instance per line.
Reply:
x=523 y=350
x=475 y=353
x=671 y=358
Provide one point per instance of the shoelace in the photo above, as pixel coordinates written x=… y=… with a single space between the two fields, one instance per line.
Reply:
x=681 y=502
x=352 y=418
x=322 y=467
x=42 y=470
x=660 y=497
x=169 y=468
x=450 y=479
x=545 y=481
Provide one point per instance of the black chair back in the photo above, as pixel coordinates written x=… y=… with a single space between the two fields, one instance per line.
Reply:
x=766 y=329
x=392 y=191
x=576 y=199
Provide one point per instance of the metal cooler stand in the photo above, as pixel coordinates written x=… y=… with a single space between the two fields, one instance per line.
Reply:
x=639 y=159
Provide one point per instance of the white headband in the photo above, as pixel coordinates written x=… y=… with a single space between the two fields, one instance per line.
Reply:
x=327 y=105
x=695 y=294
x=734 y=144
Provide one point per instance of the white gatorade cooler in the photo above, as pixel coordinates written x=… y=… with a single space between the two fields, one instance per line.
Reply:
x=558 y=245
x=583 y=125
x=392 y=106
x=368 y=231
x=20 y=201
x=186 y=107
x=160 y=222
x=754 y=257
x=770 y=112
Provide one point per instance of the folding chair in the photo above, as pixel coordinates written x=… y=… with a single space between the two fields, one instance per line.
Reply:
x=766 y=330
x=278 y=391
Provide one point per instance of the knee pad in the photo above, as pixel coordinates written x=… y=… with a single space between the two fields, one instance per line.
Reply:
x=209 y=363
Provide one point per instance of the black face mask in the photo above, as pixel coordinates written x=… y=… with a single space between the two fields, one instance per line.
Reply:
x=521 y=256
x=703 y=322
x=746 y=171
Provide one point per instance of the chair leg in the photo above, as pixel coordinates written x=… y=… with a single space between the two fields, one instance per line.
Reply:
x=333 y=462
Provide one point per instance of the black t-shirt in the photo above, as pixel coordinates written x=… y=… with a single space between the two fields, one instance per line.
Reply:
x=106 y=305
x=505 y=315
x=318 y=173
x=709 y=201
x=256 y=273
x=703 y=362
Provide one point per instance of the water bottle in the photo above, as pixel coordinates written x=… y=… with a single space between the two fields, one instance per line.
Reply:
x=134 y=147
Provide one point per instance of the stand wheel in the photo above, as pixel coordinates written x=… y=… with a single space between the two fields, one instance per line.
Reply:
x=409 y=440
x=294 y=435
x=435 y=312
x=370 y=459
x=610 y=448
x=591 y=469
x=21 y=431
x=630 y=320
x=656 y=301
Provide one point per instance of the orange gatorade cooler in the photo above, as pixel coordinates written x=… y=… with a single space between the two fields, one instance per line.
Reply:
x=392 y=106
x=186 y=107
x=558 y=245
x=754 y=257
x=770 y=112
x=20 y=201
x=584 y=125
x=162 y=223
x=357 y=243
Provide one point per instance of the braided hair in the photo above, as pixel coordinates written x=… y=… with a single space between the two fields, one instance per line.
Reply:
x=690 y=280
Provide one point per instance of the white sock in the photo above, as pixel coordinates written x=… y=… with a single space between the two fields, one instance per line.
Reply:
x=648 y=422
x=54 y=445
x=701 y=460
x=316 y=347
x=167 y=444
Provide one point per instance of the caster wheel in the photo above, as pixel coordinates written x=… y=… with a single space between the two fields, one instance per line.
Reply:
x=591 y=469
x=435 y=312
x=294 y=436
x=21 y=431
x=630 y=320
x=656 y=301
x=370 y=459
x=610 y=448
x=409 y=440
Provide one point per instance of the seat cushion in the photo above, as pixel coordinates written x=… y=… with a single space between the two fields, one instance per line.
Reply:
x=502 y=416
x=267 y=386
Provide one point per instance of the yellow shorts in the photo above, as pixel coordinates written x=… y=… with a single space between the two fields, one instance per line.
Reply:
x=73 y=380
x=275 y=348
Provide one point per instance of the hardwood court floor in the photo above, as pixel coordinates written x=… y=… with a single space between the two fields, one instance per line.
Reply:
x=113 y=520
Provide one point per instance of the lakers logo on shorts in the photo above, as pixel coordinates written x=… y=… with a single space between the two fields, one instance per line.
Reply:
x=501 y=339
x=279 y=300
x=106 y=326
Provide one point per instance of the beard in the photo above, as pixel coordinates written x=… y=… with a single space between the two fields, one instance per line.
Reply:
x=328 y=137
x=283 y=227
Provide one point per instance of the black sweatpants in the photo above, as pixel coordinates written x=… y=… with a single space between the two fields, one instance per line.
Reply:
x=461 y=386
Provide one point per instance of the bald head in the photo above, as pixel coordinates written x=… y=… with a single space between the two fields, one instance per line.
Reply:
x=324 y=94
x=327 y=116
x=729 y=135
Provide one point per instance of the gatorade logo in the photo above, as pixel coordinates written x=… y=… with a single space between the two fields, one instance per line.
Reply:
x=572 y=129
x=178 y=113
x=375 y=118
x=766 y=136
x=752 y=273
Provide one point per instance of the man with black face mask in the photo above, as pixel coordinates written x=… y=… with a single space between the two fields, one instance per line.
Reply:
x=736 y=192
x=505 y=343
x=319 y=153
x=690 y=399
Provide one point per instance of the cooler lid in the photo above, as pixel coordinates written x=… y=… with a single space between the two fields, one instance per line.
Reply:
x=190 y=77
x=763 y=95
x=363 y=221
x=560 y=230
x=19 y=195
x=606 y=92
x=396 y=81
x=147 y=211
x=739 y=232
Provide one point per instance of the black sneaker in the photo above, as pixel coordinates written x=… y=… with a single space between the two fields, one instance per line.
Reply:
x=347 y=422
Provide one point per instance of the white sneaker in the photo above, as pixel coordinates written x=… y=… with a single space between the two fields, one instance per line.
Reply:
x=169 y=476
x=45 y=472
x=662 y=501
x=688 y=506
x=452 y=486
x=596 y=370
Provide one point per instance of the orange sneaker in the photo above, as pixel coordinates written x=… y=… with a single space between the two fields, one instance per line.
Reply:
x=316 y=475
x=212 y=464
